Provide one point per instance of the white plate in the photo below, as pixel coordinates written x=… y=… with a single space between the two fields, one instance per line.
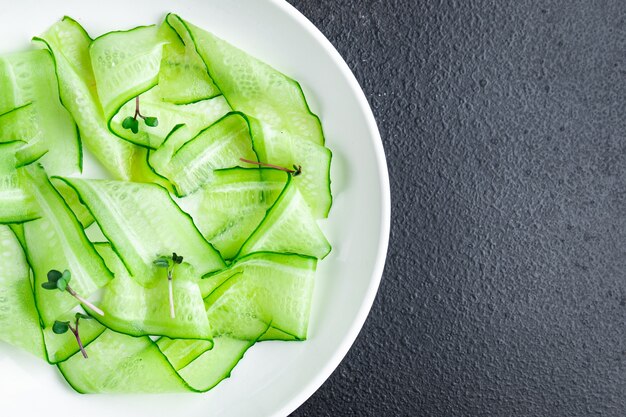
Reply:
x=274 y=378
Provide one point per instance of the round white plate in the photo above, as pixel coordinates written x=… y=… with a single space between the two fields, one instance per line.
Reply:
x=274 y=378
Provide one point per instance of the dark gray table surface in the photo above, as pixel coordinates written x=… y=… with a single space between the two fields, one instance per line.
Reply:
x=504 y=124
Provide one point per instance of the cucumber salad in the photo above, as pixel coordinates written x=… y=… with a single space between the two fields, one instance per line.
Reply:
x=202 y=240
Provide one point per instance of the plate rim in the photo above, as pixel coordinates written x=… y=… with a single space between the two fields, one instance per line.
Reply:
x=383 y=245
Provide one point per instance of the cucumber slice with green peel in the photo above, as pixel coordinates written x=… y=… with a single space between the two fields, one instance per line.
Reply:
x=60 y=347
x=253 y=87
x=159 y=158
x=18 y=315
x=233 y=204
x=57 y=241
x=16 y=125
x=119 y=364
x=111 y=259
x=125 y=65
x=183 y=77
x=82 y=213
x=31 y=78
x=281 y=149
x=142 y=222
x=262 y=289
x=7 y=98
x=196 y=116
x=20 y=298
x=288 y=227
x=133 y=309
x=219 y=146
x=181 y=352
x=16 y=203
x=185 y=123
x=275 y=334
x=285 y=131
x=69 y=44
x=18 y=231
x=215 y=365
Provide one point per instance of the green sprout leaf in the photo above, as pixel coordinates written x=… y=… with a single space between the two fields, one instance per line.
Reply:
x=49 y=285
x=60 y=327
x=62 y=284
x=177 y=258
x=131 y=123
x=54 y=275
x=128 y=122
x=151 y=121
x=162 y=262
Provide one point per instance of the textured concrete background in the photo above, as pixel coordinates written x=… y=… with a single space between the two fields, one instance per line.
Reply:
x=504 y=124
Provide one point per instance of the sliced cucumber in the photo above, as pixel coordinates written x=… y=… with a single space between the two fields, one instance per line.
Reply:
x=159 y=158
x=125 y=64
x=219 y=146
x=60 y=347
x=196 y=116
x=233 y=204
x=18 y=316
x=183 y=77
x=285 y=131
x=252 y=86
x=69 y=44
x=57 y=241
x=18 y=230
x=215 y=365
x=82 y=213
x=16 y=125
x=284 y=150
x=32 y=79
x=136 y=310
x=7 y=98
x=119 y=364
x=16 y=203
x=259 y=290
x=181 y=352
x=142 y=222
x=288 y=227
x=275 y=334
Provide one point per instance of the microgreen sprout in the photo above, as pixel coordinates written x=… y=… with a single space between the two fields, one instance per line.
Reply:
x=132 y=123
x=297 y=169
x=169 y=262
x=60 y=281
x=62 y=327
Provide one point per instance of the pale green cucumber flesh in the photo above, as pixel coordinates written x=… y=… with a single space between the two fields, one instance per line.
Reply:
x=232 y=205
x=18 y=315
x=142 y=222
x=288 y=227
x=57 y=241
x=119 y=364
x=139 y=310
x=261 y=289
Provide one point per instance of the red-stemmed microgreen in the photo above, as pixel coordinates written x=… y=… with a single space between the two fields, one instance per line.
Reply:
x=297 y=169
x=132 y=123
x=62 y=327
x=60 y=281
x=169 y=262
